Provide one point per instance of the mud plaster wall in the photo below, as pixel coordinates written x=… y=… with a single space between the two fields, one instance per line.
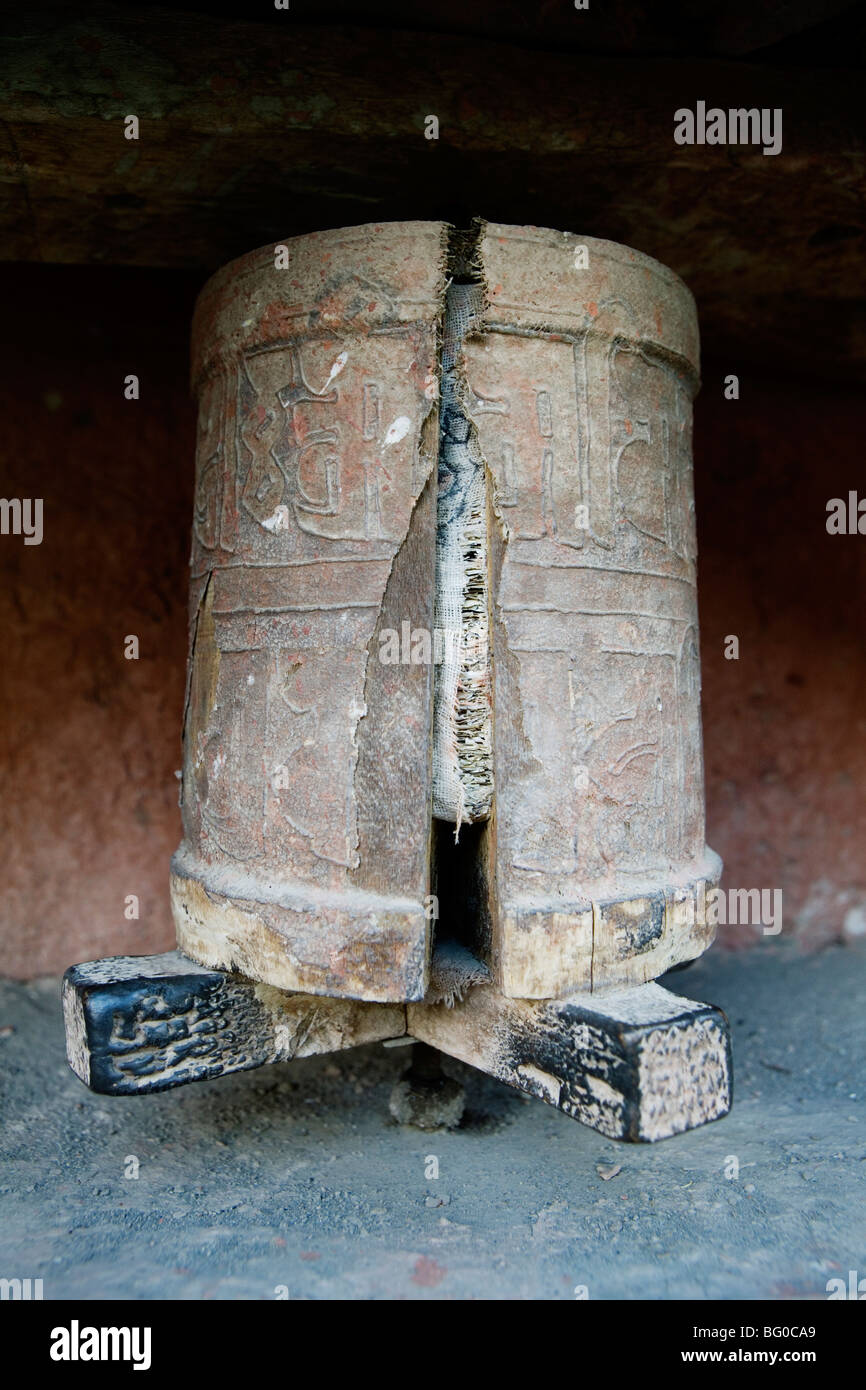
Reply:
x=89 y=741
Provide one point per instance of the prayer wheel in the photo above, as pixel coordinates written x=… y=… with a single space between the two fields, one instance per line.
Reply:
x=443 y=588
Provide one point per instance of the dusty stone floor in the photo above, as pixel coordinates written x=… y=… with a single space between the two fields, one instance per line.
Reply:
x=295 y=1176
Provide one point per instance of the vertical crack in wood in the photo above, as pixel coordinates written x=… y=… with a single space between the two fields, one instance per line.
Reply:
x=462 y=721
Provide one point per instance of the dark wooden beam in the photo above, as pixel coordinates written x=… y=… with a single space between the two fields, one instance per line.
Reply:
x=254 y=132
x=136 y=1024
x=637 y=1063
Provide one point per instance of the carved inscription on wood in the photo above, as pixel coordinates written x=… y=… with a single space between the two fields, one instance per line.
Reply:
x=582 y=380
x=307 y=793
x=306 y=773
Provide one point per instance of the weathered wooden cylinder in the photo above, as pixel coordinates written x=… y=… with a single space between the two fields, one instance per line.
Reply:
x=308 y=781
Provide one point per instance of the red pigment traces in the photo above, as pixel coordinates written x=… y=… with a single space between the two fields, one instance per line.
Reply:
x=275 y=321
x=428 y=1273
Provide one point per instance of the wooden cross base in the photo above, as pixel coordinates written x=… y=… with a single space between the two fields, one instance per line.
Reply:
x=636 y=1063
